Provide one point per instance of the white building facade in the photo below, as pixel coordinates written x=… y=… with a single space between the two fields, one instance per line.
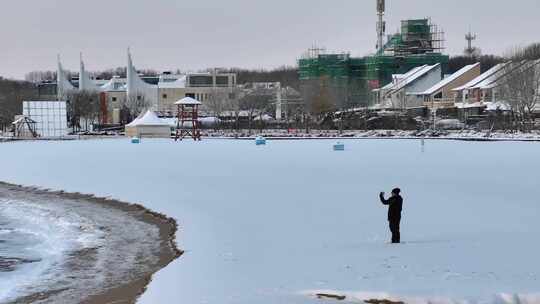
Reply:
x=161 y=96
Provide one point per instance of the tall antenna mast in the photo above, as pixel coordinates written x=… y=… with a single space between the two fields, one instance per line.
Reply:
x=470 y=37
x=381 y=25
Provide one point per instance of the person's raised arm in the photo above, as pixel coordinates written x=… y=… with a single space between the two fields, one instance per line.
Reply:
x=383 y=200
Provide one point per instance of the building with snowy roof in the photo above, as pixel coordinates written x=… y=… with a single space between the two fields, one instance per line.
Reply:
x=402 y=92
x=114 y=94
x=383 y=93
x=441 y=94
x=480 y=88
x=486 y=87
x=200 y=86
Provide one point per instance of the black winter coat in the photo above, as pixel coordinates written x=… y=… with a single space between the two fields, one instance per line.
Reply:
x=395 y=204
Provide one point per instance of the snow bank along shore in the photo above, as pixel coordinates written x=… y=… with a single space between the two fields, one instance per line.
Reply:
x=71 y=248
x=465 y=135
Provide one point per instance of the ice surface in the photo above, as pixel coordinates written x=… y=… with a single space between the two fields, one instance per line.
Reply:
x=44 y=234
x=276 y=224
x=68 y=245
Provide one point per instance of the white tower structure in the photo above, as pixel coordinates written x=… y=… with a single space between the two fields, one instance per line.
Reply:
x=64 y=86
x=137 y=88
x=381 y=25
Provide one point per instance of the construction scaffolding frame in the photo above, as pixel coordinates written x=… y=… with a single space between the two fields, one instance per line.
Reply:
x=420 y=43
x=417 y=36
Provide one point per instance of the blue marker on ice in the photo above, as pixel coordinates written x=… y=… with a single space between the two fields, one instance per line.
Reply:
x=260 y=141
x=339 y=146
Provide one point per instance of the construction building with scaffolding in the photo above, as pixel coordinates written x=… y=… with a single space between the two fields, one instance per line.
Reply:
x=420 y=42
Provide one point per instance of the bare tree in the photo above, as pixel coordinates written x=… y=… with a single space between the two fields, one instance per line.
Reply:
x=520 y=85
x=529 y=52
x=253 y=103
x=486 y=62
x=83 y=109
x=324 y=101
x=134 y=105
x=40 y=76
x=216 y=103
x=110 y=73
x=12 y=94
x=232 y=105
x=317 y=94
x=473 y=52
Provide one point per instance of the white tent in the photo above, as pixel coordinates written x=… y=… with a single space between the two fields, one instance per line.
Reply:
x=148 y=125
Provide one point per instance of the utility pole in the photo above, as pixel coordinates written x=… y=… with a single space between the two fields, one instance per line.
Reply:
x=434 y=117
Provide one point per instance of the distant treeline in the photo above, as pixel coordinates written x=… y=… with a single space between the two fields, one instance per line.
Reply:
x=529 y=52
x=12 y=93
x=486 y=62
x=288 y=76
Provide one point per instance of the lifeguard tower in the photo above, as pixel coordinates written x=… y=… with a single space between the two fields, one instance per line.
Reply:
x=188 y=119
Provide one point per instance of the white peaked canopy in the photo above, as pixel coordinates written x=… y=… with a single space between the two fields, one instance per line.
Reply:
x=137 y=87
x=148 y=125
x=147 y=119
x=85 y=82
x=188 y=101
x=64 y=86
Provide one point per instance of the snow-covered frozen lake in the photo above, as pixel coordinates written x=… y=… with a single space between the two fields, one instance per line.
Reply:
x=273 y=224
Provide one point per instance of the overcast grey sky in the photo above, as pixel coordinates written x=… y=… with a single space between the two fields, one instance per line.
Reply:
x=196 y=34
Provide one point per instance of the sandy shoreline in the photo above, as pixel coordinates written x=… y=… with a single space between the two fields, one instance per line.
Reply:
x=158 y=248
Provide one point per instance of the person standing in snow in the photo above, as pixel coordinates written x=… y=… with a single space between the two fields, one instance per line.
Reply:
x=395 y=204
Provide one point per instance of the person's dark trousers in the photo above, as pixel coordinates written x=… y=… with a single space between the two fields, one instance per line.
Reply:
x=394 y=228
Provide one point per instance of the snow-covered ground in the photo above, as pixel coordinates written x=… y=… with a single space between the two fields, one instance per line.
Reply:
x=282 y=222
